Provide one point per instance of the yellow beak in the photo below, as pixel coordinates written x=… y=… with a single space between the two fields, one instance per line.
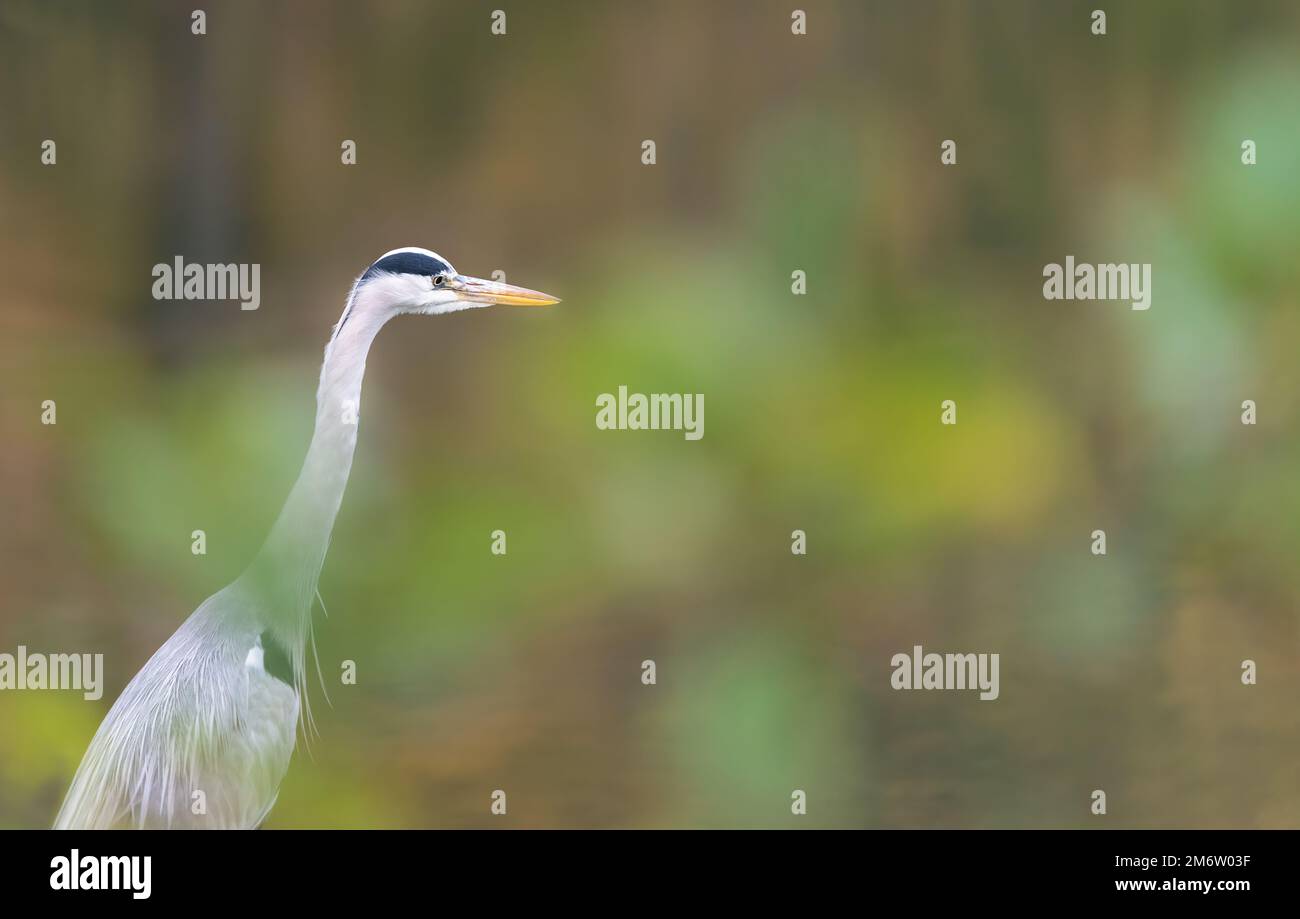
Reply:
x=478 y=290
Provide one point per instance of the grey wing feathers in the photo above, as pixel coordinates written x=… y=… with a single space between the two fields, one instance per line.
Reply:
x=199 y=738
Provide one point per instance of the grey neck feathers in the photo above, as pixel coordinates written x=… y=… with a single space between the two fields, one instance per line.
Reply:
x=287 y=568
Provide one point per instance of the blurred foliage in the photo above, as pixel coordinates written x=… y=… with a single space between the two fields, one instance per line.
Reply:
x=775 y=153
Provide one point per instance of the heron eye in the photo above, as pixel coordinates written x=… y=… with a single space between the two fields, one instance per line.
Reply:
x=437 y=280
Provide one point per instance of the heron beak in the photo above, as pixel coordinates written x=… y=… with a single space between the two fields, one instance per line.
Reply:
x=477 y=290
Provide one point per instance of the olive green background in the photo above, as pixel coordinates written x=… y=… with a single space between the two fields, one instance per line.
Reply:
x=775 y=153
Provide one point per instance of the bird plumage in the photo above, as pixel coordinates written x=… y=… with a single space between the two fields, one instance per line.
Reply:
x=199 y=738
x=203 y=734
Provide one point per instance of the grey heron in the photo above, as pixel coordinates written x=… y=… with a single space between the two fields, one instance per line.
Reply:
x=203 y=734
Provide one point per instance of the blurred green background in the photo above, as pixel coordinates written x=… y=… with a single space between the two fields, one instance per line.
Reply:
x=775 y=153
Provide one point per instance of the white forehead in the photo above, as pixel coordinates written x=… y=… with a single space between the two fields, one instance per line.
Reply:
x=416 y=250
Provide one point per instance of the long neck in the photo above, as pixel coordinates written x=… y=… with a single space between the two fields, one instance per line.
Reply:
x=288 y=566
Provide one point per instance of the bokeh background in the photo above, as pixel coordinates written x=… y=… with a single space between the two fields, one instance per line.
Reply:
x=775 y=153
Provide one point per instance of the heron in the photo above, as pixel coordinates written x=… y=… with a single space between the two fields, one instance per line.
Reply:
x=202 y=736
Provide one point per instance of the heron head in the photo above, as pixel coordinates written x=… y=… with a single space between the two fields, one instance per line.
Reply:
x=413 y=280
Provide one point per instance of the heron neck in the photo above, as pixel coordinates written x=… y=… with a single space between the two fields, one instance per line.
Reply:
x=289 y=564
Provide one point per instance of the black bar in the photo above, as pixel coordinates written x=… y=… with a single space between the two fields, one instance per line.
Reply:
x=971 y=867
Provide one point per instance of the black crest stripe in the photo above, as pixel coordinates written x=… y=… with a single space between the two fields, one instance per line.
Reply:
x=407 y=263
